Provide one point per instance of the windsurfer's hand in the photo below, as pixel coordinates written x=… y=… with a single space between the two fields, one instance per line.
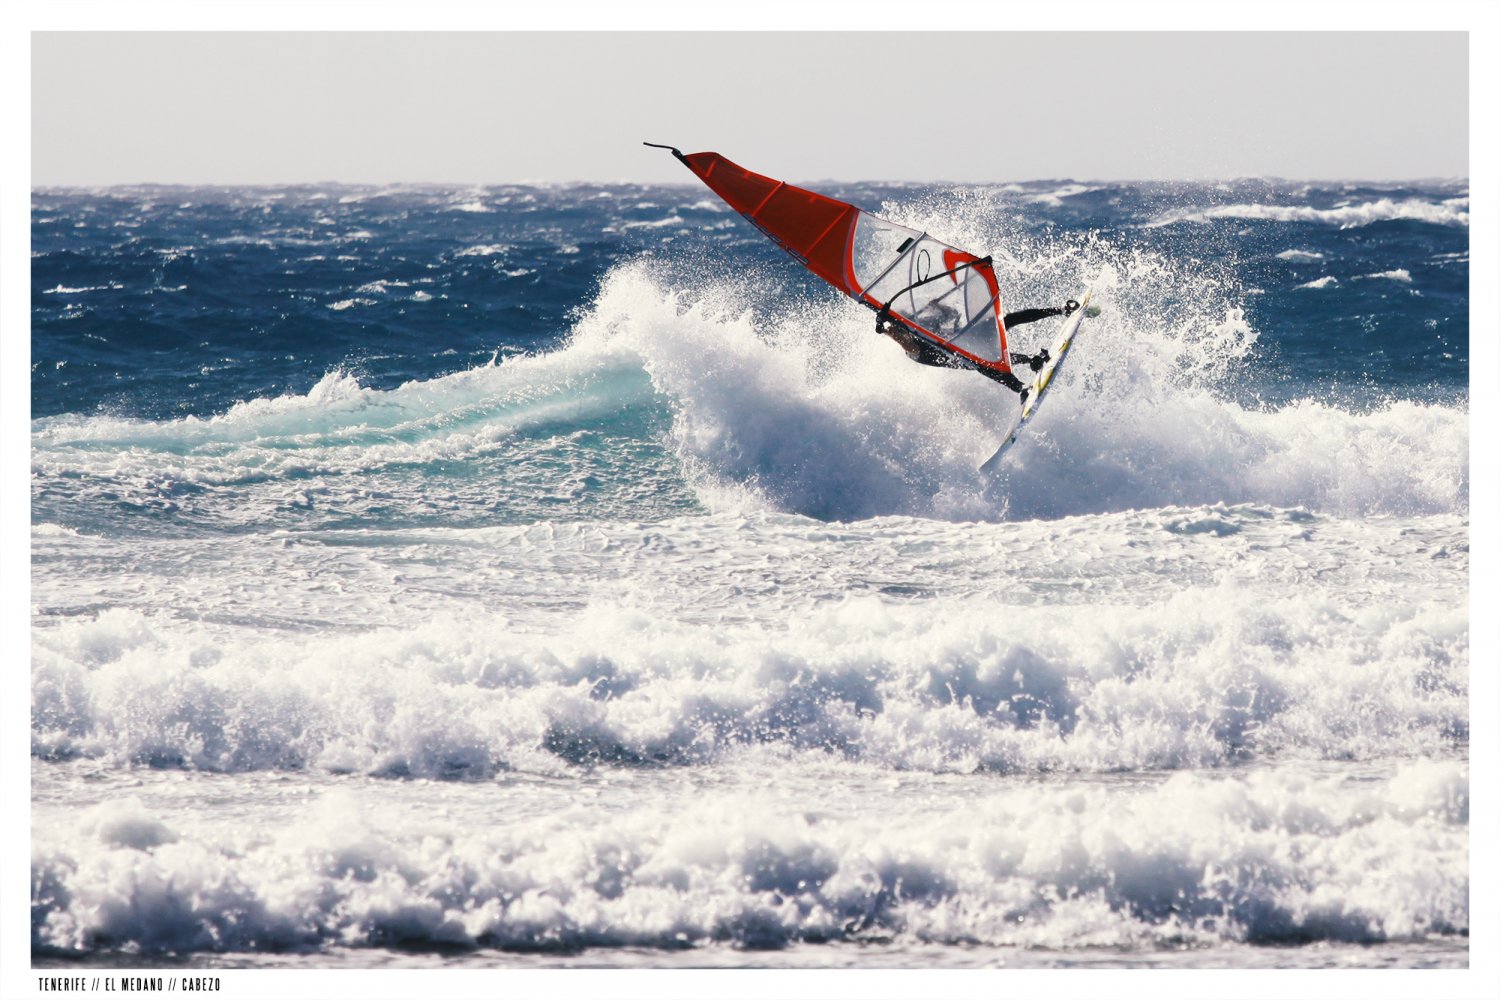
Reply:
x=1070 y=308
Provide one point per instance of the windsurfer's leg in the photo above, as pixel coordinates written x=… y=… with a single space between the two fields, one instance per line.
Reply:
x=1032 y=315
x=1029 y=316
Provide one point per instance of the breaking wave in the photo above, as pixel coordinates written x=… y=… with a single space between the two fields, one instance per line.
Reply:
x=804 y=410
x=1210 y=677
x=1192 y=861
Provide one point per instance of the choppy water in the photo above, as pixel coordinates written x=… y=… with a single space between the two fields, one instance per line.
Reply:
x=529 y=576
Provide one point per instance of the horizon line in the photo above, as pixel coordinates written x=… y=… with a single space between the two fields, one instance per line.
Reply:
x=532 y=182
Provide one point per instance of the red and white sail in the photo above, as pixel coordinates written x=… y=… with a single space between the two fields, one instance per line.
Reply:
x=877 y=262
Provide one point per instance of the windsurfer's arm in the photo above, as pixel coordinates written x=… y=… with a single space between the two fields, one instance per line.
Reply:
x=1014 y=385
x=1032 y=361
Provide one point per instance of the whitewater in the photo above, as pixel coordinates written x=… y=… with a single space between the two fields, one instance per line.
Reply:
x=556 y=576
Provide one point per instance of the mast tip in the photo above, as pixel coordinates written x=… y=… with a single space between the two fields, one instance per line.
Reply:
x=674 y=150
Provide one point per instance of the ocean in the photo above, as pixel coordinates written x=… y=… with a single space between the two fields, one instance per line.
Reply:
x=538 y=576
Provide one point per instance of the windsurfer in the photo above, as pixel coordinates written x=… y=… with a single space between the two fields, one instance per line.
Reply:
x=950 y=316
x=924 y=352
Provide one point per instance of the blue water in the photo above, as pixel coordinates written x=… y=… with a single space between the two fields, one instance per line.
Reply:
x=562 y=570
x=188 y=300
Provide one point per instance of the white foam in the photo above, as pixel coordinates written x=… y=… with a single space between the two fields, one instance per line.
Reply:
x=1323 y=282
x=126 y=823
x=1055 y=197
x=817 y=416
x=1194 y=861
x=1400 y=274
x=484 y=250
x=1300 y=256
x=66 y=290
x=1446 y=213
x=382 y=286
x=671 y=220
x=1134 y=672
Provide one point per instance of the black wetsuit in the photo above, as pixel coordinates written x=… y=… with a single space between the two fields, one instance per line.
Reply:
x=930 y=354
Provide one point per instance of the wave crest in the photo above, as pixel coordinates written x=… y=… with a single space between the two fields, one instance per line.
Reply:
x=1450 y=212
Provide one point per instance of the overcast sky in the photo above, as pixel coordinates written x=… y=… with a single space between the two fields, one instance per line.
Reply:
x=537 y=106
